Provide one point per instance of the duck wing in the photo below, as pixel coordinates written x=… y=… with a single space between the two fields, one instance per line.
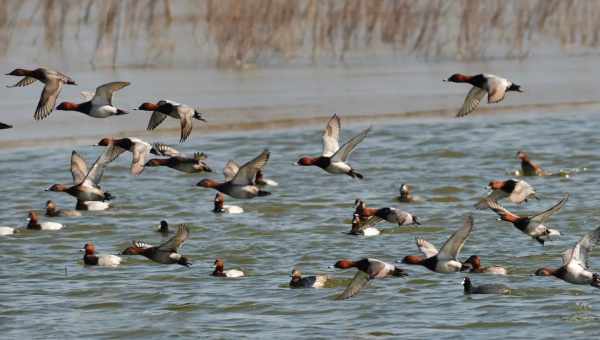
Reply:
x=359 y=281
x=24 y=82
x=545 y=215
x=48 y=99
x=425 y=247
x=230 y=170
x=345 y=150
x=87 y=95
x=104 y=93
x=247 y=172
x=94 y=175
x=370 y=222
x=185 y=116
x=175 y=242
x=155 y=120
x=331 y=136
x=140 y=150
x=580 y=253
x=79 y=169
x=501 y=211
x=454 y=244
x=493 y=196
x=160 y=149
x=472 y=101
x=522 y=191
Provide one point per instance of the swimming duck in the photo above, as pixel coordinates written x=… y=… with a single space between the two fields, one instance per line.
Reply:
x=36 y=225
x=363 y=228
x=475 y=267
x=444 y=261
x=86 y=182
x=315 y=281
x=163 y=228
x=91 y=259
x=166 y=253
x=406 y=195
x=333 y=158
x=5 y=126
x=220 y=207
x=98 y=104
x=516 y=191
x=575 y=268
x=484 y=289
x=532 y=225
x=53 y=211
x=495 y=87
x=138 y=148
x=239 y=183
x=368 y=269
x=53 y=81
x=219 y=270
x=392 y=215
x=164 y=108
x=528 y=168
x=178 y=160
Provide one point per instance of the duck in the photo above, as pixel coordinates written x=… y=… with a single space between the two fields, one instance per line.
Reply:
x=474 y=262
x=392 y=215
x=484 y=289
x=53 y=211
x=36 y=225
x=163 y=228
x=165 y=253
x=219 y=270
x=86 y=182
x=260 y=180
x=495 y=87
x=53 y=81
x=516 y=191
x=575 y=265
x=139 y=150
x=220 y=207
x=333 y=158
x=406 y=195
x=5 y=126
x=314 y=281
x=532 y=225
x=5 y=231
x=91 y=259
x=363 y=228
x=368 y=269
x=239 y=182
x=528 y=168
x=444 y=261
x=97 y=104
x=164 y=108
x=177 y=160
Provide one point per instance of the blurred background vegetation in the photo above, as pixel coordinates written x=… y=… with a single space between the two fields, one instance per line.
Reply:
x=243 y=33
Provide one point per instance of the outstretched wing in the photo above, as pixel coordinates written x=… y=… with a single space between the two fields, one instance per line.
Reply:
x=247 y=172
x=48 y=99
x=500 y=210
x=176 y=241
x=331 y=136
x=155 y=120
x=230 y=170
x=24 y=82
x=425 y=247
x=358 y=282
x=346 y=149
x=471 y=101
x=545 y=215
x=160 y=149
x=580 y=253
x=94 y=176
x=453 y=246
x=79 y=169
x=104 y=93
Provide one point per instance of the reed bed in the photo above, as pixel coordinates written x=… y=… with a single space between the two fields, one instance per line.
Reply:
x=237 y=33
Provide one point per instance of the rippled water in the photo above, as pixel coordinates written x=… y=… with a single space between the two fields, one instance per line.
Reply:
x=47 y=292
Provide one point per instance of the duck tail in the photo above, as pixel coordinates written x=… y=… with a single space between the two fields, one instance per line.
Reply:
x=399 y=272
x=108 y=196
x=263 y=193
x=121 y=112
x=354 y=174
x=540 y=240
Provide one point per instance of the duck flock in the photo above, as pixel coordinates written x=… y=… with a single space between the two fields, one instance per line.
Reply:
x=248 y=182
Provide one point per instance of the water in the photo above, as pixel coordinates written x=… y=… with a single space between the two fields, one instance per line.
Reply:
x=48 y=293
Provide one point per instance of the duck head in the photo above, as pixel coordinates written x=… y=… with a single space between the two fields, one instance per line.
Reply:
x=164 y=227
x=306 y=161
x=58 y=188
x=458 y=78
x=413 y=259
x=208 y=183
x=89 y=248
x=67 y=106
x=19 y=72
x=344 y=264
x=148 y=107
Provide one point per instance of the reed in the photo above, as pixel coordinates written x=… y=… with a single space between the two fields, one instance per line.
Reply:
x=237 y=33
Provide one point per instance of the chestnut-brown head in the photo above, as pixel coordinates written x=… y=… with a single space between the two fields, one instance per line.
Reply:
x=105 y=142
x=32 y=216
x=58 y=188
x=458 y=78
x=413 y=259
x=474 y=260
x=219 y=264
x=148 y=107
x=305 y=161
x=522 y=155
x=90 y=248
x=296 y=274
x=19 y=72
x=545 y=271
x=156 y=162
x=67 y=106
x=496 y=185
x=344 y=264
x=208 y=183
